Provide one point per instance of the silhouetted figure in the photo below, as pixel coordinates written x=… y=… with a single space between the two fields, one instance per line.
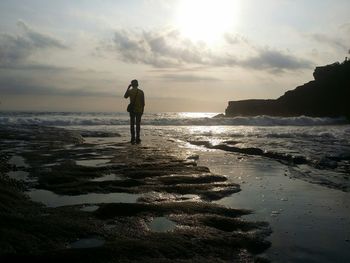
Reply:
x=135 y=108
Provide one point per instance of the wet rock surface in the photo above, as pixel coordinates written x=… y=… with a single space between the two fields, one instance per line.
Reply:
x=329 y=172
x=169 y=185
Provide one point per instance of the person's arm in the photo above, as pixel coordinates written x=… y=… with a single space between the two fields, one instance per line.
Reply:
x=126 y=95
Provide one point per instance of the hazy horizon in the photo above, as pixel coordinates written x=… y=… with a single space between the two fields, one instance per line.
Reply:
x=189 y=56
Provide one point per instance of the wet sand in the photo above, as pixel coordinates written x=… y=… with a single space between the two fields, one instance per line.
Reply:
x=100 y=199
x=309 y=221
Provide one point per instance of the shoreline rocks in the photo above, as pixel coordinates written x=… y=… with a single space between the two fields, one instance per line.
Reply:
x=170 y=188
x=325 y=96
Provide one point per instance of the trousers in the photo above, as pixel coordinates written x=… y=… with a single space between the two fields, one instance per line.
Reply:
x=135 y=119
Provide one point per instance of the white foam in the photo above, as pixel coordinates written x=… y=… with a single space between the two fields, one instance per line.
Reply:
x=164 y=119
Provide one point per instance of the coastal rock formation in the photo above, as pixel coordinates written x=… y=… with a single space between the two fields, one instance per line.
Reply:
x=325 y=96
x=105 y=200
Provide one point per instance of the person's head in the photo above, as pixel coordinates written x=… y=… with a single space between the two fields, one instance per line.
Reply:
x=134 y=83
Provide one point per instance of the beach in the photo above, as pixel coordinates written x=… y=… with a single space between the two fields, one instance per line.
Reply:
x=188 y=193
x=100 y=199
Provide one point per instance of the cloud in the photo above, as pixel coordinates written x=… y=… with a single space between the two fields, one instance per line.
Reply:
x=20 y=76
x=187 y=78
x=334 y=42
x=234 y=39
x=25 y=87
x=22 y=87
x=168 y=48
x=15 y=49
x=345 y=27
x=59 y=81
x=275 y=60
x=40 y=40
x=159 y=49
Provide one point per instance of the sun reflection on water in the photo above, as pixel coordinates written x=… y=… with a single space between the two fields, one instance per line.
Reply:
x=196 y=114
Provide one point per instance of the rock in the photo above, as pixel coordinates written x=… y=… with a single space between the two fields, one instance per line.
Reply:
x=161 y=183
x=221 y=115
x=193 y=157
x=326 y=96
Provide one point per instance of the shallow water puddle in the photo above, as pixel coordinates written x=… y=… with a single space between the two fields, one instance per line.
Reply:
x=90 y=208
x=51 y=164
x=309 y=222
x=93 y=162
x=18 y=161
x=191 y=197
x=162 y=224
x=87 y=243
x=51 y=199
x=107 y=177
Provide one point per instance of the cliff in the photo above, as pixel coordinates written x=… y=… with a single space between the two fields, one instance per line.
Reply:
x=327 y=95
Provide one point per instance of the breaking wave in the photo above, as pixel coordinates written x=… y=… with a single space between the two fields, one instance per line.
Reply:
x=164 y=119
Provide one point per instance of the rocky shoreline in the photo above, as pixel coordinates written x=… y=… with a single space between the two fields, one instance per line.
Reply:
x=109 y=201
x=325 y=96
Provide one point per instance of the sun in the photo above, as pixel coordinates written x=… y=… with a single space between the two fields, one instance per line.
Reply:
x=206 y=20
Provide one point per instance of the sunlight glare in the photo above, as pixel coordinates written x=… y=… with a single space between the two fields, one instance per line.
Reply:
x=206 y=20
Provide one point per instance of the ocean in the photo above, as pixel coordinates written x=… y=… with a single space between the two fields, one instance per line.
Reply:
x=324 y=143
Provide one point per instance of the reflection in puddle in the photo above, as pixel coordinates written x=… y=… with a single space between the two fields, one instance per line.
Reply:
x=191 y=197
x=93 y=162
x=18 y=161
x=161 y=224
x=51 y=199
x=107 y=177
x=87 y=243
x=308 y=220
x=276 y=213
x=90 y=208
x=51 y=164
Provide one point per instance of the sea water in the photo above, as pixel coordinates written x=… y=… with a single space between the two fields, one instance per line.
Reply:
x=293 y=134
x=322 y=143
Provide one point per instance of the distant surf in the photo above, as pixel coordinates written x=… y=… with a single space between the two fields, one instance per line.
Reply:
x=158 y=119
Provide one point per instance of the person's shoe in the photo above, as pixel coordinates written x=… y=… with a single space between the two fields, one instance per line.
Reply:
x=132 y=141
x=138 y=141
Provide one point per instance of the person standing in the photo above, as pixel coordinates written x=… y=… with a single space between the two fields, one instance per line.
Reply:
x=135 y=109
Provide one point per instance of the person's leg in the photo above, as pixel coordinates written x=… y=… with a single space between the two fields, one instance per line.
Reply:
x=138 y=127
x=132 y=126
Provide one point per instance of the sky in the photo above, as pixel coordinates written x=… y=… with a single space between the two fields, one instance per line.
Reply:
x=188 y=55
